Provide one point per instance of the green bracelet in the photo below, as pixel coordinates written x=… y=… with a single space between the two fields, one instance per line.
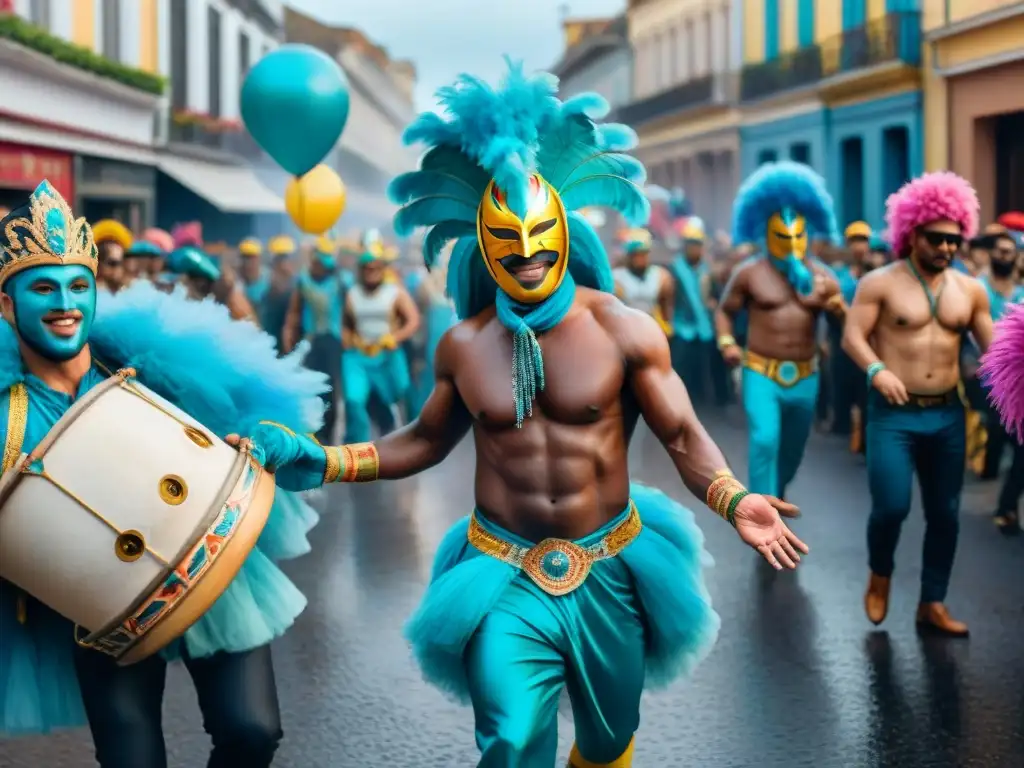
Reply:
x=730 y=513
x=874 y=369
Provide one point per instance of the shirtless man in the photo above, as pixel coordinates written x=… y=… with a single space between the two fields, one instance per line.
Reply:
x=784 y=293
x=644 y=286
x=904 y=330
x=497 y=626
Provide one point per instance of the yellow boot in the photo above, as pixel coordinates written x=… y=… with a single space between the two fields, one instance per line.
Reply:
x=625 y=760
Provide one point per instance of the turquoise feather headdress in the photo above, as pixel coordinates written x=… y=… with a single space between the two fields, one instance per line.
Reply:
x=507 y=134
x=777 y=187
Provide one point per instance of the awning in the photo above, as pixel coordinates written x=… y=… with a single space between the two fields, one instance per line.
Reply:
x=229 y=188
x=73 y=143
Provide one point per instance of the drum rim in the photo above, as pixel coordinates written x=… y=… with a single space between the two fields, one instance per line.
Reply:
x=242 y=460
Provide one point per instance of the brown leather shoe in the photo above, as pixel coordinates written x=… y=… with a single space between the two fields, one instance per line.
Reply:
x=876 y=599
x=935 y=618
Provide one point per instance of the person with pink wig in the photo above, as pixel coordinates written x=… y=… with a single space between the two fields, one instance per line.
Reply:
x=905 y=330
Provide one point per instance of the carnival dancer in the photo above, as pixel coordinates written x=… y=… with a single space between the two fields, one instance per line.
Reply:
x=315 y=312
x=697 y=359
x=112 y=240
x=905 y=330
x=379 y=318
x=224 y=374
x=438 y=317
x=255 y=276
x=644 y=286
x=538 y=370
x=780 y=206
x=202 y=276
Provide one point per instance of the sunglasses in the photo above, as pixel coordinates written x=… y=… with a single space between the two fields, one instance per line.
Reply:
x=938 y=239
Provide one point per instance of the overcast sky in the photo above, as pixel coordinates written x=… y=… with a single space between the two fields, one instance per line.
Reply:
x=447 y=37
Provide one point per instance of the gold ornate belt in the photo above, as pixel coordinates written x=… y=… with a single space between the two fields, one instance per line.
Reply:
x=557 y=566
x=784 y=372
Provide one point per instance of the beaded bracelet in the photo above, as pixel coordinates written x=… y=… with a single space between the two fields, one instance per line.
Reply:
x=874 y=369
x=724 y=495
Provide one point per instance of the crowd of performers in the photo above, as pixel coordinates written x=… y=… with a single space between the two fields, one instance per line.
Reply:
x=565 y=575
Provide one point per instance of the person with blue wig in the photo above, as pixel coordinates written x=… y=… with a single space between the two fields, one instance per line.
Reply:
x=379 y=317
x=56 y=344
x=565 y=575
x=779 y=207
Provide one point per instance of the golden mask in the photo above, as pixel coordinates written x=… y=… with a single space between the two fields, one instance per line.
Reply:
x=526 y=257
x=787 y=235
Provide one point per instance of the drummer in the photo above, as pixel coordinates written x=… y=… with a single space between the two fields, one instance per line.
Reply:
x=48 y=299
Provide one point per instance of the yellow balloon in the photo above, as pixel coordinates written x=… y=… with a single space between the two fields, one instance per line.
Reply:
x=315 y=201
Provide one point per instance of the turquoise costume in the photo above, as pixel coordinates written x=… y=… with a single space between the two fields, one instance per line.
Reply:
x=372 y=371
x=507 y=623
x=780 y=396
x=225 y=374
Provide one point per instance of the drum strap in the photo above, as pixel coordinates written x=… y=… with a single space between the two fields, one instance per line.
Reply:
x=17 y=418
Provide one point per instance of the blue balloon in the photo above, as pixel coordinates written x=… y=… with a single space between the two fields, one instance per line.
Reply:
x=295 y=104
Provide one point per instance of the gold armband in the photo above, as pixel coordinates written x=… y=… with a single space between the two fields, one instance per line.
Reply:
x=725 y=494
x=355 y=463
x=726 y=341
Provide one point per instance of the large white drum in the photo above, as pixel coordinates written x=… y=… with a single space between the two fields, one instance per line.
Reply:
x=130 y=518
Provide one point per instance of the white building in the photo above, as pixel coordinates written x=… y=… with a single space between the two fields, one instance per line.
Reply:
x=597 y=59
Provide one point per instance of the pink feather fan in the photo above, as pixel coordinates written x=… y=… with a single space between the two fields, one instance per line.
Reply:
x=1002 y=368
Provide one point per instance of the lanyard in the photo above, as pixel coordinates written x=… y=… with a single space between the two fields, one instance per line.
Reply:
x=933 y=299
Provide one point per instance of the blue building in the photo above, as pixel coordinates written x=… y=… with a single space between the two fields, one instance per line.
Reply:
x=839 y=91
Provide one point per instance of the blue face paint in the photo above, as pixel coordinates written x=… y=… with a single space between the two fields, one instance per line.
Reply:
x=45 y=299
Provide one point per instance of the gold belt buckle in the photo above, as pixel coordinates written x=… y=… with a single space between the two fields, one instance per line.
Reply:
x=557 y=566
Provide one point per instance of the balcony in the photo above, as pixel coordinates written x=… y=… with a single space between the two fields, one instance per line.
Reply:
x=893 y=39
x=789 y=71
x=209 y=135
x=706 y=91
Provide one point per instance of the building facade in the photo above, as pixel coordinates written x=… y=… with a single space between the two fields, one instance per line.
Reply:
x=974 y=97
x=210 y=169
x=684 y=105
x=837 y=86
x=597 y=59
x=82 y=121
x=370 y=152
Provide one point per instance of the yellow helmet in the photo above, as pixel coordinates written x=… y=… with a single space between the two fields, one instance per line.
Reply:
x=108 y=230
x=281 y=245
x=250 y=247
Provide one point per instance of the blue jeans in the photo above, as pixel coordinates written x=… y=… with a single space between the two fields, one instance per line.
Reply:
x=779 y=419
x=931 y=442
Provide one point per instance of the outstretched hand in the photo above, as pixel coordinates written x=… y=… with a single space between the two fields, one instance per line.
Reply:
x=759 y=523
x=298 y=462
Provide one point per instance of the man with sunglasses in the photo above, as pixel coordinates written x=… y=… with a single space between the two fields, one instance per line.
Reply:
x=905 y=330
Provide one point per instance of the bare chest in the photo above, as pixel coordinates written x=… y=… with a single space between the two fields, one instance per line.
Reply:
x=583 y=376
x=769 y=290
x=909 y=308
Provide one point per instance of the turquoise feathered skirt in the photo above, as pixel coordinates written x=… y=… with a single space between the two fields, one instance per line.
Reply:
x=666 y=561
x=38 y=686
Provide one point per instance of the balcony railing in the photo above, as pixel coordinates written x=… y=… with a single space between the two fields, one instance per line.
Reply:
x=235 y=141
x=793 y=69
x=896 y=37
x=705 y=91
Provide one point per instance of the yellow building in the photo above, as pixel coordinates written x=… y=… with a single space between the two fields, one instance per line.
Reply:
x=974 y=97
x=835 y=84
x=124 y=31
x=684 y=99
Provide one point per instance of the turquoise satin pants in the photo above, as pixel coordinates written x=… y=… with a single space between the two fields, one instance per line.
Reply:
x=386 y=376
x=779 y=420
x=532 y=645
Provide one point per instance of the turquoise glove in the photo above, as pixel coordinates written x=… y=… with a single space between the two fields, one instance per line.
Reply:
x=298 y=462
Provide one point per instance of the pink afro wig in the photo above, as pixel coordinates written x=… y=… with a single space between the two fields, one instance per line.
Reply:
x=160 y=238
x=190 y=233
x=928 y=198
x=1002 y=369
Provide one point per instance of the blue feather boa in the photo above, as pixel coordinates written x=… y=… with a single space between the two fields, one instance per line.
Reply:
x=225 y=374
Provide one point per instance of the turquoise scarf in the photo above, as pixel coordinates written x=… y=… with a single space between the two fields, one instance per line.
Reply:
x=524 y=322
x=689 y=278
x=796 y=272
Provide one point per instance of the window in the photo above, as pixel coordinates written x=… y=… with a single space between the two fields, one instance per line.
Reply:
x=767 y=156
x=243 y=55
x=771 y=29
x=39 y=13
x=179 y=54
x=800 y=153
x=112 y=29
x=213 y=39
x=691 y=51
